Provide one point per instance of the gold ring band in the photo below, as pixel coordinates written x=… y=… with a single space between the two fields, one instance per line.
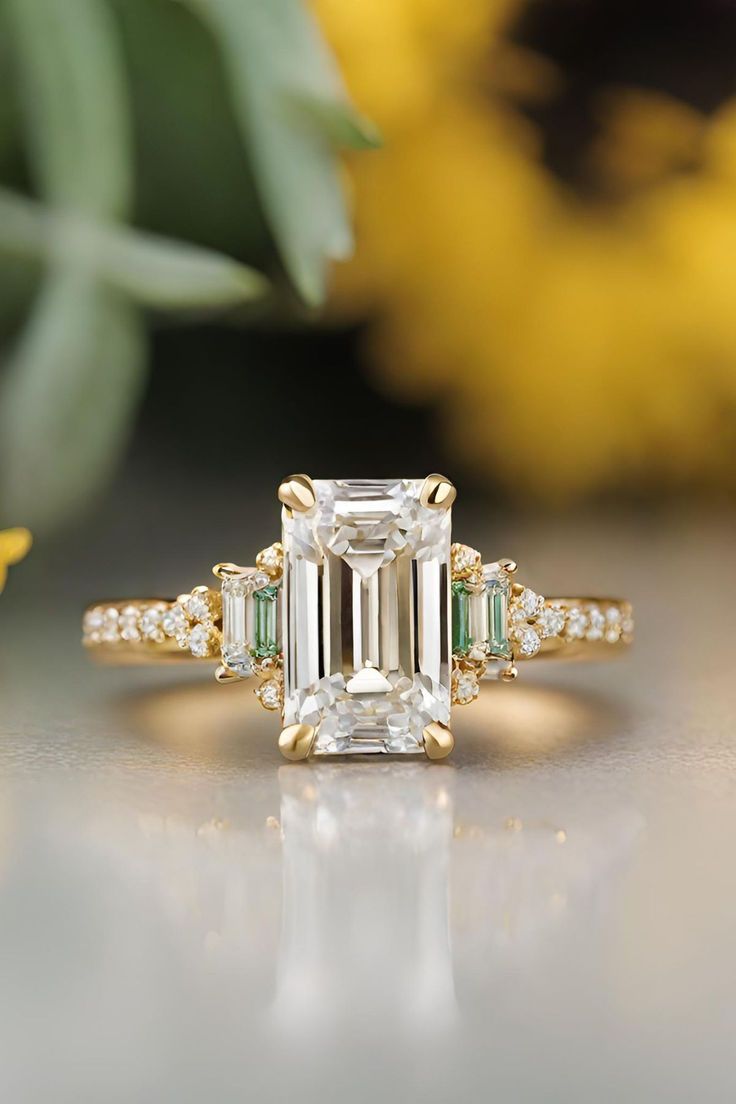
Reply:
x=365 y=623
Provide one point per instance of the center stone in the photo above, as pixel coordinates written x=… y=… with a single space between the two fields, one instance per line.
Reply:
x=367 y=616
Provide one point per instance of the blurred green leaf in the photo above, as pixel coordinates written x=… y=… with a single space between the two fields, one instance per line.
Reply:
x=23 y=229
x=276 y=58
x=172 y=275
x=74 y=98
x=345 y=128
x=183 y=121
x=155 y=272
x=67 y=399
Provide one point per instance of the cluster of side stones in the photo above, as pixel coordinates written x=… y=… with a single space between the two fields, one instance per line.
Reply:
x=251 y=633
x=480 y=597
x=192 y=621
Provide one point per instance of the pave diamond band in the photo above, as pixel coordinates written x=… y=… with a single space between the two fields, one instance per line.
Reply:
x=365 y=624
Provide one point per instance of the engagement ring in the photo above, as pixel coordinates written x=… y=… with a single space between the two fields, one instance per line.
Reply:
x=365 y=624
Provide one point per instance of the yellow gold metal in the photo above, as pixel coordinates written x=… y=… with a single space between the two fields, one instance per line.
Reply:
x=229 y=571
x=15 y=544
x=295 y=741
x=438 y=740
x=225 y=676
x=508 y=622
x=297 y=493
x=267 y=667
x=437 y=493
x=271 y=560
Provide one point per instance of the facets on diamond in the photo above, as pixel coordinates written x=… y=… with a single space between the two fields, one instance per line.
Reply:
x=465 y=686
x=367 y=629
x=174 y=622
x=551 y=621
x=150 y=624
x=529 y=642
x=577 y=623
x=530 y=602
x=128 y=623
x=596 y=624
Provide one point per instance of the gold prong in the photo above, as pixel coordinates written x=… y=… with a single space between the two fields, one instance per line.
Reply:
x=228 y=571
x=508 y=674
x=509 y=566
x=438 y=740
x=295 y=741
x=437 y=493
x=297 y=492
x=225 y=676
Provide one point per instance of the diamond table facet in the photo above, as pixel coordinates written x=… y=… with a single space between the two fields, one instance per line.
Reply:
x=366 y=620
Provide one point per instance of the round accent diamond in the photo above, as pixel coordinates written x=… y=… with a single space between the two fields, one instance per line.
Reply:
x=198 y=607
x=269 y=694
x=465 y=560
x=150 y=624
x=596 y=624
x=529 y=642
x=551 y=621
x=129 y=623
x=530 y=602
x=110 y=631
x=271 y=560
x=200 y=641
x=577 y=623
x=174 y=621
x=465 y=687
x=94 y=619
x=478 y=652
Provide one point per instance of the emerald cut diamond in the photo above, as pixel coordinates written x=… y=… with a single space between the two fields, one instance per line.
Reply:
x=366 y=618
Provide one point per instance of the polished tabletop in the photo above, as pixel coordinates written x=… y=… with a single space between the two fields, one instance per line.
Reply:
x=550 y=915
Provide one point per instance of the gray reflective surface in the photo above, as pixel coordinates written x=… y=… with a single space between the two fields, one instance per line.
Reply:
x=551 y=915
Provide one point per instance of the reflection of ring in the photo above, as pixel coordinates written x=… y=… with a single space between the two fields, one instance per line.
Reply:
x=366 y=623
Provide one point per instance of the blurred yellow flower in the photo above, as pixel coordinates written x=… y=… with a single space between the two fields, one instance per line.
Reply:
x=15 y=544
x=573 y=346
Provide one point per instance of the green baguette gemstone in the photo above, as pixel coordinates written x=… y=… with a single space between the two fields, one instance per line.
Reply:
x=497 y=596
x=265 y=634
x=461 y=639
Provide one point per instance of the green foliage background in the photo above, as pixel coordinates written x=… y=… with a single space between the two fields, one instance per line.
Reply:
x=155 y=156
